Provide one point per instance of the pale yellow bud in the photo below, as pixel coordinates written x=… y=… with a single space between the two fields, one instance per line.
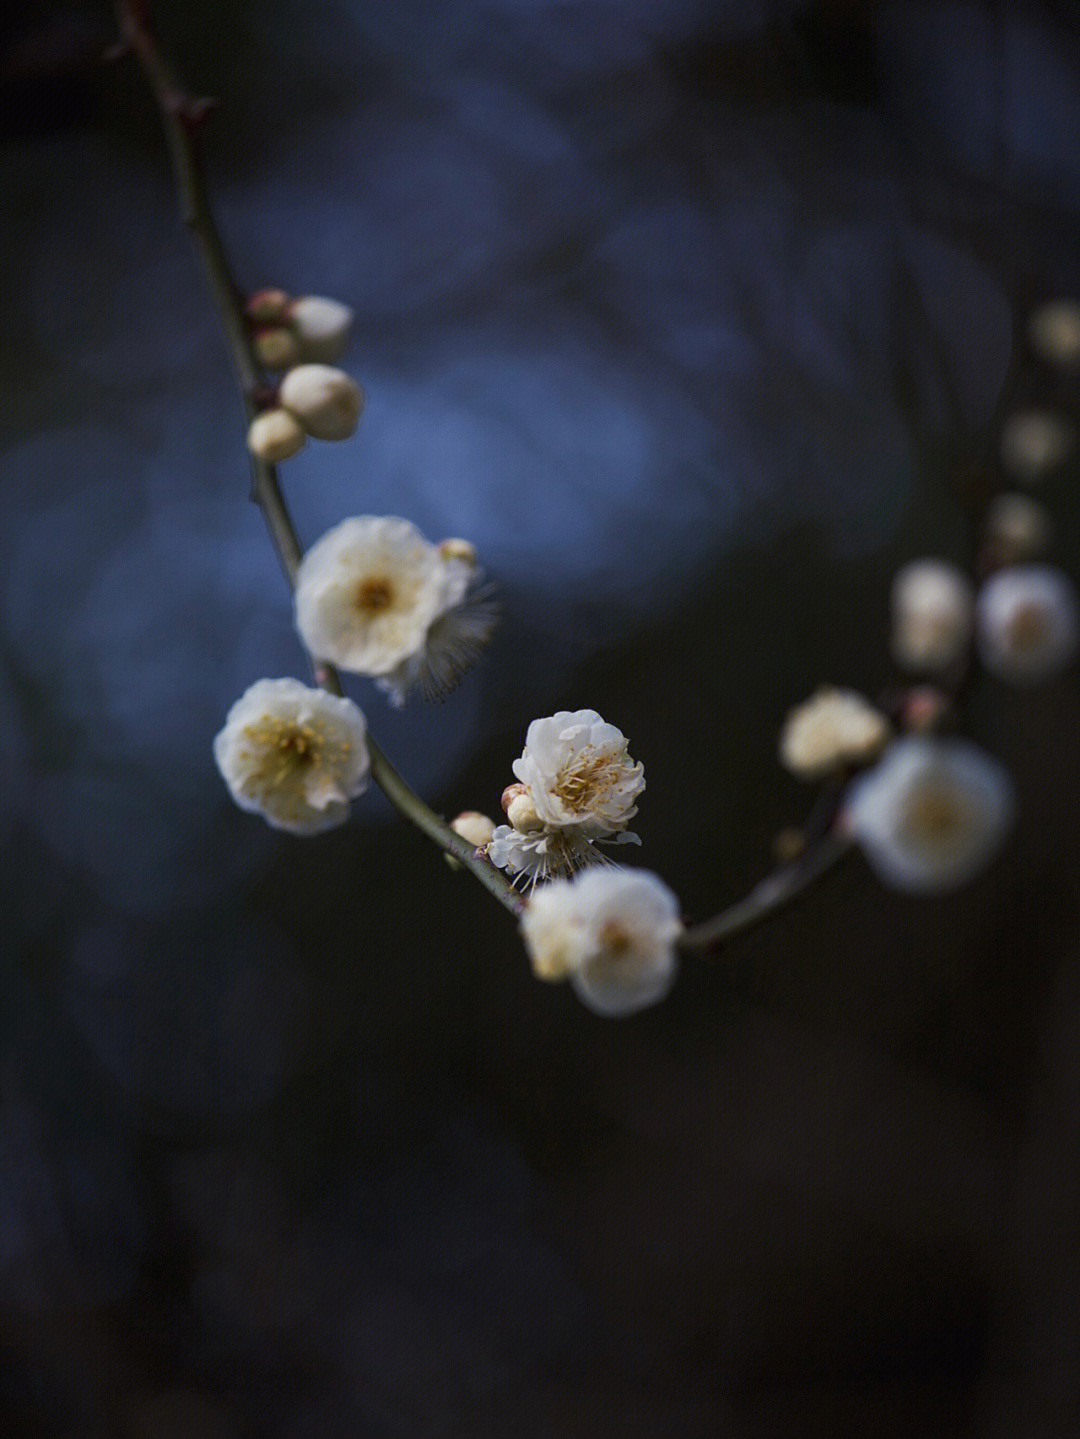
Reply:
x=327 y=402
x=1054 y=332
x=458 y=550
x=275 y=435
x=833 y=727
x=475 y=828
x=275 y=347
x=510 y=793
x=521 y=812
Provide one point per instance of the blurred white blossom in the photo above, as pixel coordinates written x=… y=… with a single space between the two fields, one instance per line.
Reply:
x=831 y=728
x=612 y=932
x=376 y=598
x=1034 y=442
x=294 y=755
x=1027 y=623
x=931 y=814
x=931 y=608
x=1054 y=332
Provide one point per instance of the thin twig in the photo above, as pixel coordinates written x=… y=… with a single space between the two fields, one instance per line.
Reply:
x=182 y=115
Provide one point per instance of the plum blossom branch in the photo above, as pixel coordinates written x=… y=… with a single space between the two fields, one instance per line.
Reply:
x=182 y=115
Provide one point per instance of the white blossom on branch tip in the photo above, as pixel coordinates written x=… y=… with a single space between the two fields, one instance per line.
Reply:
x=931 y=814
x=1027 y=623
x=374 y=597
x=295 y=755
x=611 y=932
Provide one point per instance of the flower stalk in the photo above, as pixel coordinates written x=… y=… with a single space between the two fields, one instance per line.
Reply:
x=182 y=115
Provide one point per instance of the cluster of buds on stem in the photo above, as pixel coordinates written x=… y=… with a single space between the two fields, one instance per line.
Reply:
x=302 y=337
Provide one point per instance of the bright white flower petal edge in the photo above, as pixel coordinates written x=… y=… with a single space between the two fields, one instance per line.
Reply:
x=295 y=755
x=611 y=932
x=374 y=597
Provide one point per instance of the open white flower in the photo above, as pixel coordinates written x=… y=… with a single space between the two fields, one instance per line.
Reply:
x=579 y=775
x=612 y=932
x=1027 y=623
x=832 y=728
x=294 y=755
x=931 y=814
x=374 y=597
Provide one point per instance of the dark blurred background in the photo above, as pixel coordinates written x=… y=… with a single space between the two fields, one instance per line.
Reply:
x=697 y=318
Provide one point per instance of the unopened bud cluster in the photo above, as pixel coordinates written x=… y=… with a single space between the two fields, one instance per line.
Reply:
x=302 y=337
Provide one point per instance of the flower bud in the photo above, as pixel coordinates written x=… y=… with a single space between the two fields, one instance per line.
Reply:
x=521 y=812
x=266 y=307
x=833 y=728
x=931 y=608
x=922 y=709
x=458 y=550
x=1027 y=623
x=327 y=402
x=321 y=326
x=475 y=828
x=1034 y=442
x=1054 y=332
x=275 y=435
x=1017 y=529
x=275 y=347
x=510 y=793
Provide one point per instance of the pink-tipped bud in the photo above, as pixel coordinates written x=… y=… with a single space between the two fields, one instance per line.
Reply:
x=265 y=307
x=922 y=709
x=510 y=793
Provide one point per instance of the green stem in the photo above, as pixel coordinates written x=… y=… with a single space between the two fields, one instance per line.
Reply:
x=182 y=114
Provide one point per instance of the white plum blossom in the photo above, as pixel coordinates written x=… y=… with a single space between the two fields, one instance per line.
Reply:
x=374 y=597
x=1027 y=623
x=611 y=932
x=932 y=603
x=294 y=755
x=832 y=728
x=576 y=787
x=931 y=814
x=579 y=775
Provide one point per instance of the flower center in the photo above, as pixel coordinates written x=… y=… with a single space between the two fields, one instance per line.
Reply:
x=591 y=774
x=614 y=937
x=283 y=748
x=932 y=816
x=1028 y=628
x=374 y=595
